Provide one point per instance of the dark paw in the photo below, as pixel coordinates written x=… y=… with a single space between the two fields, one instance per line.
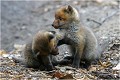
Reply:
x=42 y=67
x=49 y=67
x=69 y=58
x=85 y=65
x=75 y=65
x=65 y=62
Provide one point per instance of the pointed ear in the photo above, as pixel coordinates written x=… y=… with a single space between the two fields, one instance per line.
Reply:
x=51 y=36
x=69 y=9
x=53 y=32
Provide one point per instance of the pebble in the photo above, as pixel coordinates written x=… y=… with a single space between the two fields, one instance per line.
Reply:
x=117 y=67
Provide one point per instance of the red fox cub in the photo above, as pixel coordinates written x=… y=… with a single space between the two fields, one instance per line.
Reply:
x=81 y=39
x=36 y=53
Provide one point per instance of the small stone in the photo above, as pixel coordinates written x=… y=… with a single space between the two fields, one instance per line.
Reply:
x=5 y=55
x=117 y=67
x=75 y=2
x=46 y=9
x=2 y=52
x=62 y=69
x=70 y=72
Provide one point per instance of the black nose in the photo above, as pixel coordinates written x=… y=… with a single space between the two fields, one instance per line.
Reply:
x=52 y=25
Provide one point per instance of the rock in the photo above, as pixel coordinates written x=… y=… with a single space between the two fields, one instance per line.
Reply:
x=117 y=67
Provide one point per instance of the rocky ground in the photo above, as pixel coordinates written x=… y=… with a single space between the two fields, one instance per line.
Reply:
x=20 y=20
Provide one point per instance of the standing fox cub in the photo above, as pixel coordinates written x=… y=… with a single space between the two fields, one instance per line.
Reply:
x=81 y=39
x=36 y=53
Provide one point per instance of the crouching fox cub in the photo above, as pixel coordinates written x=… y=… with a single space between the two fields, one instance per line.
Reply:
x=36 y=53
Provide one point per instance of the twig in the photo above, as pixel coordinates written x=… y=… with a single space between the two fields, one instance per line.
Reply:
x=105 y=75
x=104 y=64
x=94 y=21
x=109 y=17
x=100 y=23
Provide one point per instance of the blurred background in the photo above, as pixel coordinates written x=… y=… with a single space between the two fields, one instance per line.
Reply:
x=20 y=20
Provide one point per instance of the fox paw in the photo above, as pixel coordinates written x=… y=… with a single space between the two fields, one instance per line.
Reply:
x=75 y=65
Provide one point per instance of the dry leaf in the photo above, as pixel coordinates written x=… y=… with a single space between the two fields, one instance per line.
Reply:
x=92 y=68
x=2 y=52
x=58 y=74
x=67 y=76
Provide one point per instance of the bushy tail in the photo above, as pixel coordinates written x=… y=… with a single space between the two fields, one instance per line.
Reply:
x=103 y=45
x=18 y=60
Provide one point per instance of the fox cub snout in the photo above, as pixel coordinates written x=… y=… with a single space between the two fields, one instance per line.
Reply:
x=45 y=43
x=65 y=15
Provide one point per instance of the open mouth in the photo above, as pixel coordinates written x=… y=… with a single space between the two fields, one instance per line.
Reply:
x=59 y=26
x=56 y=27
x=55 y=51
x=56 y=48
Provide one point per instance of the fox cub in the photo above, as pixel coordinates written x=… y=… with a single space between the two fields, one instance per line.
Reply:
x=81 y=39
x=37 y=52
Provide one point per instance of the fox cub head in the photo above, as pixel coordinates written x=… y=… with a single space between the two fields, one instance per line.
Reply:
x=45 y=43
x=64 y=16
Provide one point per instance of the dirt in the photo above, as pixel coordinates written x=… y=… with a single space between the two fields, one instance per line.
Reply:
x=20 y=20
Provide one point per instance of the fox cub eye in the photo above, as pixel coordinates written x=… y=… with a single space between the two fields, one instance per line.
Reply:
x=60 y=18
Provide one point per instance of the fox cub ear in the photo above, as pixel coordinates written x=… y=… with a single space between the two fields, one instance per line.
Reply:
x=69 y=9
x=51 y=35
x=53 y=32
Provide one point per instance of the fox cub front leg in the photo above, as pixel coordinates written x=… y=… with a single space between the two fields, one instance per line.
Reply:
x=78 y=51
x=76 y=60
x=47 y=63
